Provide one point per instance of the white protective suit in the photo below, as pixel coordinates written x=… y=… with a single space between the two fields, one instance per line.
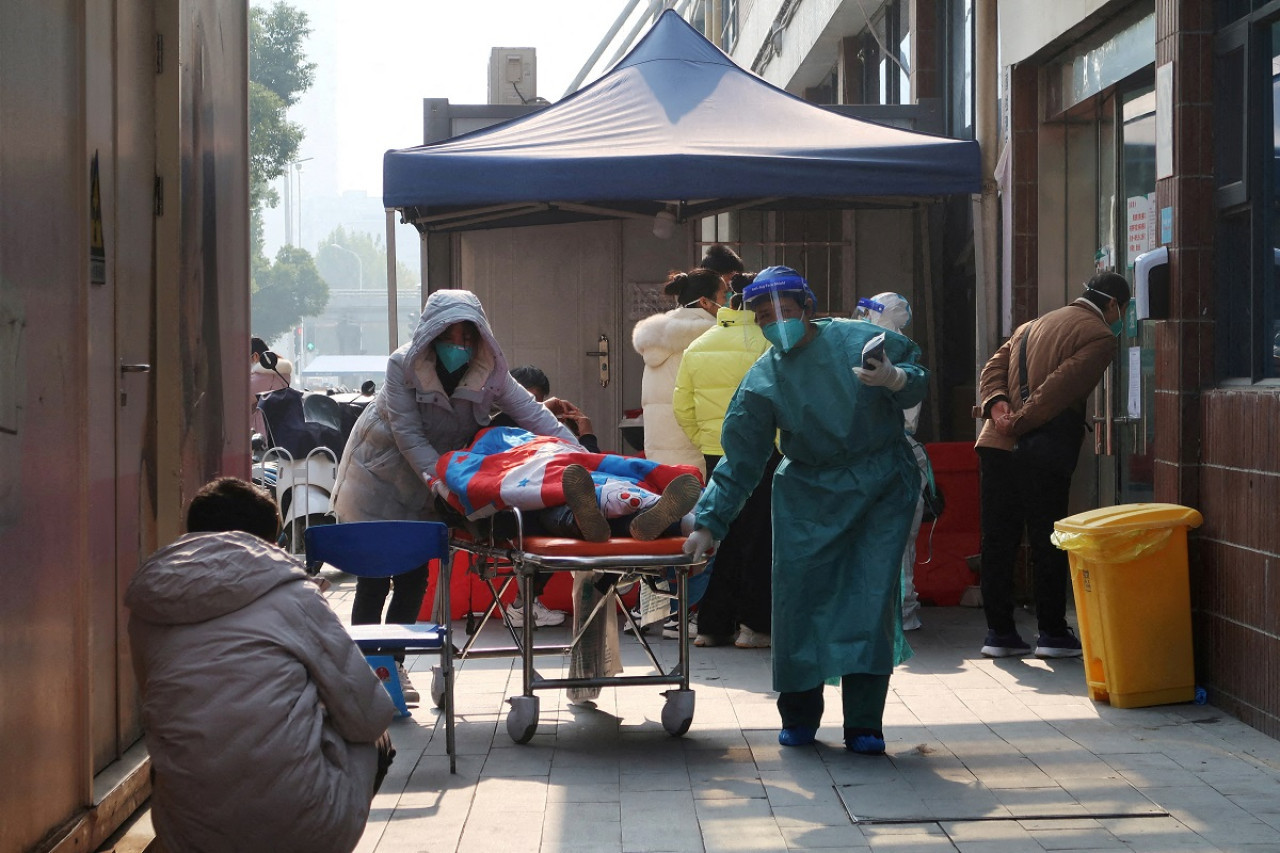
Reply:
x=259 y=711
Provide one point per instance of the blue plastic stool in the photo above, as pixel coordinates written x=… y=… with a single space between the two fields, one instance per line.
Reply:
x=384 y=666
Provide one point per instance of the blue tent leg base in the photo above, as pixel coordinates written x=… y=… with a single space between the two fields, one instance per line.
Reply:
x=384 y=666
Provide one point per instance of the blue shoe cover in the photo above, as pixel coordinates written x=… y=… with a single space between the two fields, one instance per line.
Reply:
x=797 y=735
x=865 y=745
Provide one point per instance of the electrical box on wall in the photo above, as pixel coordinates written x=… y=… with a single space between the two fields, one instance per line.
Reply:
x=513 y=75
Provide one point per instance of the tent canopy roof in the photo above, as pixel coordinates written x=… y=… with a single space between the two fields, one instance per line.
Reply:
x=675 y=122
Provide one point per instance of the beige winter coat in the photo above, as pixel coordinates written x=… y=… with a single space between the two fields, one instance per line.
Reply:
x=411 y=422
x=260 y=713
x=661 y=341
x=1069 y=351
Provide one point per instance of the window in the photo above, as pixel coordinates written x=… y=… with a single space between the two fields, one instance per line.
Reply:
x=1247 y=242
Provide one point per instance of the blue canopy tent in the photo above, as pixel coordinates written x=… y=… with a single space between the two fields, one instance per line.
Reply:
x=676 y=126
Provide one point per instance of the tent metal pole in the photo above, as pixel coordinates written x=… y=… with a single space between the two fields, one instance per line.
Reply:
x=393 y=321
x=987 y=290
x=600 y=48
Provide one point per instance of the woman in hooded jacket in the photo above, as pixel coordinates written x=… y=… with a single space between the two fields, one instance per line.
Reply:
x=661 y=341
x=440 y=390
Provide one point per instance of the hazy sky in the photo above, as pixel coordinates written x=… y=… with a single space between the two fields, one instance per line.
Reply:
x=377 y=59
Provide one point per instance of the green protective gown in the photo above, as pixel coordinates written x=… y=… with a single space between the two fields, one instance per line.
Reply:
x=843 y=499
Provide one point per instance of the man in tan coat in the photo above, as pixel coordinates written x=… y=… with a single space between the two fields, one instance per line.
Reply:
x=1027 y=453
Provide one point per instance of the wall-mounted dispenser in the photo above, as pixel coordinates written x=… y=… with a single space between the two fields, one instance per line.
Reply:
x=1151 y=284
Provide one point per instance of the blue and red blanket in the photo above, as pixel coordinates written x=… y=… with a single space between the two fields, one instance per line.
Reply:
x=511 y=467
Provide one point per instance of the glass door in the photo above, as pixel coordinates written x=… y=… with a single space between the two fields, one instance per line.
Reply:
x=1126 y=435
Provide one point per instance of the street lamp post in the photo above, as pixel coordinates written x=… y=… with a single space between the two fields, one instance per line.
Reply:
x=359 y=263
x=294 y=168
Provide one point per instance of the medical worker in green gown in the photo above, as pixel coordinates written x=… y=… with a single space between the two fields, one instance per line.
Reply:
x=843 y=500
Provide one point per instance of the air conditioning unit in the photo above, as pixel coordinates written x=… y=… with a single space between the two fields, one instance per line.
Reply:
x=513 y=75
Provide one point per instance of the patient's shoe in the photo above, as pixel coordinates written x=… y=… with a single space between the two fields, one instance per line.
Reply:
x=678 y=498
x=797 y=735
x=580 y=497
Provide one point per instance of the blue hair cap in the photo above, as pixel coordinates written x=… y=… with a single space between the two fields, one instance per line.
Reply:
x=778 y=280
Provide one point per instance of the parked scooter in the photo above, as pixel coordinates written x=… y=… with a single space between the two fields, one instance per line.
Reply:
x=298 y=462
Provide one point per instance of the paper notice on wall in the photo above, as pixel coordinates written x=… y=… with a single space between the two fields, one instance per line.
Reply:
x=1141 y=224
x=1135 y=382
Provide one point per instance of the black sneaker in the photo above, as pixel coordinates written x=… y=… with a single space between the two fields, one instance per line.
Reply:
x=1065 y=645
x=1005 y=645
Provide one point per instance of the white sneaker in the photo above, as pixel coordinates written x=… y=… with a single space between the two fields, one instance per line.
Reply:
x=410 y=693
x=543 y=616
x=751 y=639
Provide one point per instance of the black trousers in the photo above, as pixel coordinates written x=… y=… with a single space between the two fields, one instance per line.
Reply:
x=406 y=591
x=1016 y=498
x=741 y=586
x=862 y=696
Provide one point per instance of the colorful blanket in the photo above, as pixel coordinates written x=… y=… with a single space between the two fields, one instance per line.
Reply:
x=511 y=467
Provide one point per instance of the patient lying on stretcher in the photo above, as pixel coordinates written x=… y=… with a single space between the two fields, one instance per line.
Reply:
x=566 y=490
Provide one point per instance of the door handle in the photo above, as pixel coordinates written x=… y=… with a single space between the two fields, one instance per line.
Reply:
x=130 y=368
x=602 y=353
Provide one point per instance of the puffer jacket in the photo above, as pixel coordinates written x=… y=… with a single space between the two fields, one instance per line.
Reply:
x=661 y=340
x=411 y=421
x=1070 y=350
x=710 y=372
x=260 y=713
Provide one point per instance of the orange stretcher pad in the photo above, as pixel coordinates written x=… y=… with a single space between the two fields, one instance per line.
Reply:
x=559 y=546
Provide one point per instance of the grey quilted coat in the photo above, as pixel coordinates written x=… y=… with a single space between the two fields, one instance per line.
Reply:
x=260 y=712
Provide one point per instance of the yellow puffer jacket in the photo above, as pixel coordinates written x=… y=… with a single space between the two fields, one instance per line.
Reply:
x=710 y=372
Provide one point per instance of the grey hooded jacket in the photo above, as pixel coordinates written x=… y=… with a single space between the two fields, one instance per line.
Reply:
x=412 y=421
x=260 y=712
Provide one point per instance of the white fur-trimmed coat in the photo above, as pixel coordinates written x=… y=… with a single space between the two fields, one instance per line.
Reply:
x=661 y=341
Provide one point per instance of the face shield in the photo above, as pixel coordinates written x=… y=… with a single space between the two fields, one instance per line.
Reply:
x=887 y=310
x=780 y=298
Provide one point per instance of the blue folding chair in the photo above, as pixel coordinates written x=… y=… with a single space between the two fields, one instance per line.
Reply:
x=380 y=549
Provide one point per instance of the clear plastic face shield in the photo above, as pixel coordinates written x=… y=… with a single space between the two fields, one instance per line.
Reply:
x=887 y=310
x=869 y=310
x=780 y=306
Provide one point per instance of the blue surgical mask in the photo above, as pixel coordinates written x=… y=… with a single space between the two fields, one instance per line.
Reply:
x=784 y=334
x=452 y=356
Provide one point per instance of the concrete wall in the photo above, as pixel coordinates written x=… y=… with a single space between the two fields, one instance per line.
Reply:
x=97 y=462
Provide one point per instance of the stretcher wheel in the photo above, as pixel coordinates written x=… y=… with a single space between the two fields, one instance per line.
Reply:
x=522 y=719
x=677 y=713
x=437 y=687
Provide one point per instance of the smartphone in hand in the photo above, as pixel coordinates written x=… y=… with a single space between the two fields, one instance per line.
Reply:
x=873 y=349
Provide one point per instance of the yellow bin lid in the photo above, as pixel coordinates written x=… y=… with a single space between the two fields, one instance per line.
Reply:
x=1113 y=519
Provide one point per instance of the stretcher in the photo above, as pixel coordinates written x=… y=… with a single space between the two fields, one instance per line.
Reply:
x=616 y=565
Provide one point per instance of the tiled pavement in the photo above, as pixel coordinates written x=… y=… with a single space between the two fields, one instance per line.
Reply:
x=983 y=755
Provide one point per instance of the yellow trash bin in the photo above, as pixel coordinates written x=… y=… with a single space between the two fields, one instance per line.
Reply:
x=1133 y=601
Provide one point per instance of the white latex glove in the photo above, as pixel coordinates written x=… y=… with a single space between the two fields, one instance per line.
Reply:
x=699 y=543
x=882 y=374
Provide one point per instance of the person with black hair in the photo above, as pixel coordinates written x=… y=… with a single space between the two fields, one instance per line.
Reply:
x=266 y=727
x=1033 y=392
x=736 y=607
x=661 y=341
x=536 y=382
x=723 y=260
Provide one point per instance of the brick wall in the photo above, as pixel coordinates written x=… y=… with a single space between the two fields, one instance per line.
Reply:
x=1217 y=449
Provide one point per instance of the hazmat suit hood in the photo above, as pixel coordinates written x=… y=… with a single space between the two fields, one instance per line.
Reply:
x=894 y=311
